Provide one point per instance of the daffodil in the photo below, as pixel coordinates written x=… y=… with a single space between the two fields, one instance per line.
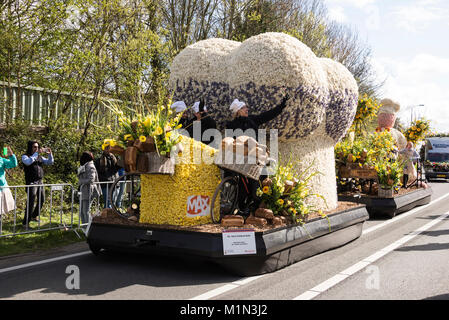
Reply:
x=128 y=137
x=142 y=138
x=266 y=189
x=158 y=131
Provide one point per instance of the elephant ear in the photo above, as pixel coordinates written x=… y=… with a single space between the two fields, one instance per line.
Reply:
x=343 y=98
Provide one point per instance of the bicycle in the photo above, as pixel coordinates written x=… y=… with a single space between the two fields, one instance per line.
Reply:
x=232 y=185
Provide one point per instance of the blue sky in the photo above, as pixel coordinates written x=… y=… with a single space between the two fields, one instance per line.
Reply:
x=410 y=50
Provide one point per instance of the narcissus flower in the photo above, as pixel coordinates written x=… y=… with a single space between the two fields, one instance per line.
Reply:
x=159 y=131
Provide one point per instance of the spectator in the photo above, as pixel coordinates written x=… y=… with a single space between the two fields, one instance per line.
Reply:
x=409 y=155
x=34 y=173
x=118 y=200
x=88 y=181
x=107 y=169
x=6 y=199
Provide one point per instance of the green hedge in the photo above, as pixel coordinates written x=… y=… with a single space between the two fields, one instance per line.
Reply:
x=63 y=138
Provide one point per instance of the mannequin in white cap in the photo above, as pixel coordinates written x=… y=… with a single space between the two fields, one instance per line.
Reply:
x=203 y=121
x=386 y=118
x=242 y=119
x=180 y=106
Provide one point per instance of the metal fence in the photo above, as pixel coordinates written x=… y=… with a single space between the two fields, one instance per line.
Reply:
x=36 y=105
x=60 y=206
x=54 y=207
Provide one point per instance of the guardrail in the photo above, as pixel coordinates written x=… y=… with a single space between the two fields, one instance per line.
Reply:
x=58 y=206
x=54 y=209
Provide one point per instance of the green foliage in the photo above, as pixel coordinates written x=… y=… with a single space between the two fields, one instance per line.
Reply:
x=63 y=138
x=287 y=192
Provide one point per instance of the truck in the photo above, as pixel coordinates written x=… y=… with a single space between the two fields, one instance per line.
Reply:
x=436 y=158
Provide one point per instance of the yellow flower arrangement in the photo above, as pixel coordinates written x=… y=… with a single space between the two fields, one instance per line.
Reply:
x=389 y=172
x=158 y=122
x=417 y=131
x=367 y=109
x=295 y=199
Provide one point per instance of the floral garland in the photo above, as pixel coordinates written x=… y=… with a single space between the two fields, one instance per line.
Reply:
x=437 y=166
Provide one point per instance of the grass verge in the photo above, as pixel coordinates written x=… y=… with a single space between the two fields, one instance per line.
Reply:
x=32 y=242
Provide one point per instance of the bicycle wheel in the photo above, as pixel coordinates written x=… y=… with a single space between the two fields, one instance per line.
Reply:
x=129 y=198
x=228 y=191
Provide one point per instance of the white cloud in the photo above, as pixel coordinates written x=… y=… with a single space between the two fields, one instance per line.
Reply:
x=419 y=15
x=422 y=80
x=354 y=3
x=337 y=14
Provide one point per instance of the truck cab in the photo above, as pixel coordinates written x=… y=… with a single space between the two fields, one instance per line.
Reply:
x=436 y=158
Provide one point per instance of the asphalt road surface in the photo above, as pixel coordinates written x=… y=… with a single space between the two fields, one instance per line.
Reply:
x=402 y=258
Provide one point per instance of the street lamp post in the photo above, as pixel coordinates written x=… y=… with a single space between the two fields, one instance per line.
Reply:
x=412 y=109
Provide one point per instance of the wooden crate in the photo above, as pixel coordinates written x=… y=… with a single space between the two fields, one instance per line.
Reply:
x=357 y=172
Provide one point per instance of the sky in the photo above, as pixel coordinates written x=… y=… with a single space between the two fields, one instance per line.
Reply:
x=409 y=40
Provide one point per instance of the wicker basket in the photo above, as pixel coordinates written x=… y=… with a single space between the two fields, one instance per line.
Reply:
x=239 y=165
x=152 y=162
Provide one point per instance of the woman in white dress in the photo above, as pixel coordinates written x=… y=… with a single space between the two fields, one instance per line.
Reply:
x=7 y=203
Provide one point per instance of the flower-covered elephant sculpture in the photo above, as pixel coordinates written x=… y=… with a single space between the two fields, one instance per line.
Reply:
x=260 y=71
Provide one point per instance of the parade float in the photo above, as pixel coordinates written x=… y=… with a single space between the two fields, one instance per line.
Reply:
x=191 y=209
x=370 y=166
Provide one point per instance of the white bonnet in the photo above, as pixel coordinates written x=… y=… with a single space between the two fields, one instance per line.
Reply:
x=196 y=107
x=389 y=106
x=179 y=106
x=236 y=105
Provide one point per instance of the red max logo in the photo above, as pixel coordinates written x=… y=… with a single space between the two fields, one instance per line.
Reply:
x=198 y=206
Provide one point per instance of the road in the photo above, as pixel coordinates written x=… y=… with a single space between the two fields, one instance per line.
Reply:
x=402 y=258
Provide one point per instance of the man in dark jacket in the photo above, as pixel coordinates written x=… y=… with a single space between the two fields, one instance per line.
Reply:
x=242 y=120
x=34 y=173
x=203 y=122
x=107 y=168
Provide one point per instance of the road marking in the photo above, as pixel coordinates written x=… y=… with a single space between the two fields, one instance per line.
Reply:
x=215 y=292
x=402 y=215
x=326 y=285
x=27 y=265
x=350 y=271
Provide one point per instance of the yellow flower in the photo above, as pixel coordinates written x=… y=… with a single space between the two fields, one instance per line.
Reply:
x=266 y=189
x=281 y=202
x=103 y=146
x=142 y=138
x=147 y=122
x=128 y=137
x=158 y=131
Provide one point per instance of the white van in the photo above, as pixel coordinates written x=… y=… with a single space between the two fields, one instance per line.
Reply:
x=436 y=159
